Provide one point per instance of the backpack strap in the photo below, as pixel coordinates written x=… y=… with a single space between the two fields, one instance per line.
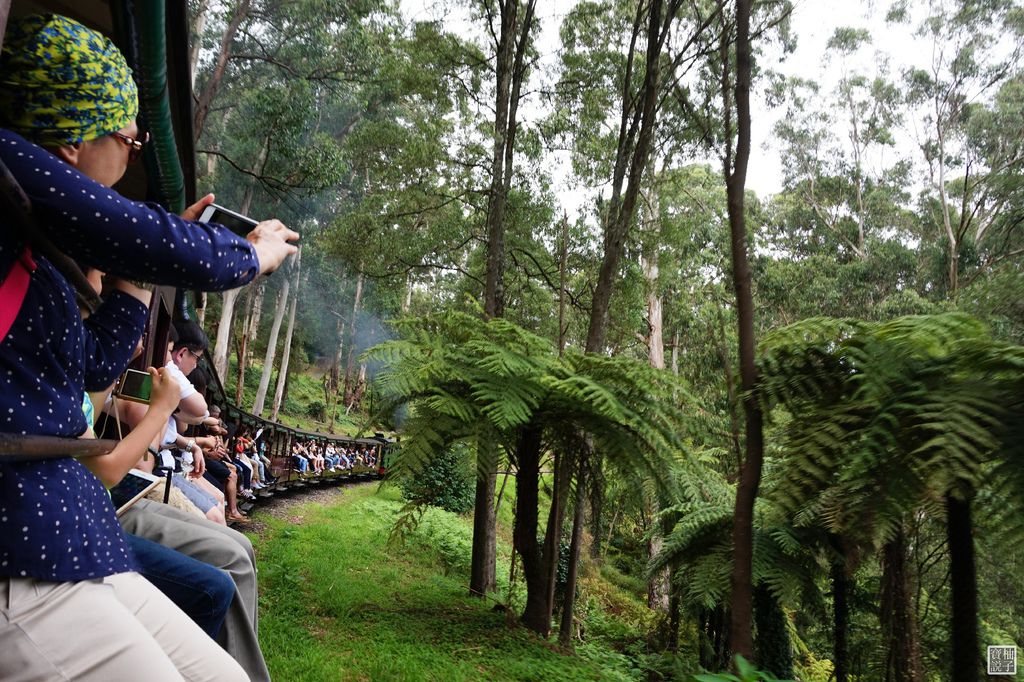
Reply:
x=14 y=289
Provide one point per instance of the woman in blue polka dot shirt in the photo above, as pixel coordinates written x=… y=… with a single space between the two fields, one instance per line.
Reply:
x=61 y=548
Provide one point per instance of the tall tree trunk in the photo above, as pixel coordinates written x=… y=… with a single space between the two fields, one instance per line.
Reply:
x=524 y=535
x=512 y=41
x=596 y=488
x=360 y=386
x=357 y=302
x=553 y=535
x=567 y=627
x=899 y=627
x=240 y=369
x=658 y=584
x=407 y=300
x=229 y=298
x=563 y=254
x=334 y=374
x=204 y=100
x=649 y=267
x=258 y=167
x=952 y=244
x=494 y=290
x=253 y=328
x=482 y=573
x=675 y=352
x=637 y=112
x=268 y=359
x=637 y=123
x=198 y=26
x=735 y=430
x=501 y=490
x=243 y=347
x=222 y=346
x=841 y=584
x=741 y=598
x=963 y=583
x=282 y=375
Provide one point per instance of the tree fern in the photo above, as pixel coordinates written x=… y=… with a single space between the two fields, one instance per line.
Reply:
x=491 y=383
x=891 y=417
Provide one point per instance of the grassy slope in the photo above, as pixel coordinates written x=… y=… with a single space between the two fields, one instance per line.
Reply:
x=338 y=604
x=304 y=390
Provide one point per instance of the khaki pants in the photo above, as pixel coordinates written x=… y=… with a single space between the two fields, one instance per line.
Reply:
x=223 y=548
x=119 y=628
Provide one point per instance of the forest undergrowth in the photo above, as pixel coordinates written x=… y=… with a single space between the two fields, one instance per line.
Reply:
x=338 y=602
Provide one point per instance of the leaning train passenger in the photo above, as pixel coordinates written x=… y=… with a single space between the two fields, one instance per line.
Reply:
x=67 y=111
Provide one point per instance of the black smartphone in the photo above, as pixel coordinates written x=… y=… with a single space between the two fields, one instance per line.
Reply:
x=136 y=386
x=236 y=222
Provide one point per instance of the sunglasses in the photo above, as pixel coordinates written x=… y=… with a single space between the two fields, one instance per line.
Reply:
x=135 y=144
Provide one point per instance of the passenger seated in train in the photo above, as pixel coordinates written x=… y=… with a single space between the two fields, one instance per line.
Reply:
x=299 y=457
x=59 y=538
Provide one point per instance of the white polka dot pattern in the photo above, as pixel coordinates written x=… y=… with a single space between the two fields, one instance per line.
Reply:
x=56 y=520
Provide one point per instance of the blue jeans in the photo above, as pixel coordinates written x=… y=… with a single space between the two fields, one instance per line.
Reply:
x=203 y=592
x=301 y=462
x=244 y=474
x=217 y=473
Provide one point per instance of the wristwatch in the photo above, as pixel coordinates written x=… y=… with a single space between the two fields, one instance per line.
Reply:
x=190 y=444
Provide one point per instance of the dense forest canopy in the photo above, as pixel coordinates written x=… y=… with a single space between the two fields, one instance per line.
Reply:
x=732 y=286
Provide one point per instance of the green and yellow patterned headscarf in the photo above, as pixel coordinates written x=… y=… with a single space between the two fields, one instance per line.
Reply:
x=63 y=83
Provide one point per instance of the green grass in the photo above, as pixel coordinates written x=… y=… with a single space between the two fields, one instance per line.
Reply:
x=338 y=603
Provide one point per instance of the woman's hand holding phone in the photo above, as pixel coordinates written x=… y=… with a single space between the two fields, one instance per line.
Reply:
x=271 y=239
x=166 y=391
x=195 y=210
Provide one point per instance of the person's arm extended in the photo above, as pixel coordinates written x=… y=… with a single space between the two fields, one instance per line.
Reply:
x=112 y=467
x=140 y=241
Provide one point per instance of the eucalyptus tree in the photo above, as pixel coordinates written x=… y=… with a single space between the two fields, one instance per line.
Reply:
x=837 y=151
x=992 y=189
x=509 y=23
x=282 y=375
x=679 y=251
x=631 y=72
x=264 y=78
x=734 y=168
x=630 y=75
x=975 y=47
